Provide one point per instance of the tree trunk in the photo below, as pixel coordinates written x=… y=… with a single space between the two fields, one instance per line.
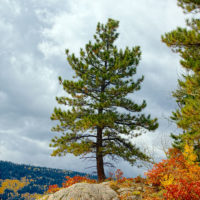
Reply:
x=99 y=157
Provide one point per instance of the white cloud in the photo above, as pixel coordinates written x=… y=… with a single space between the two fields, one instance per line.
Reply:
x=34 y=36
x=10 y=6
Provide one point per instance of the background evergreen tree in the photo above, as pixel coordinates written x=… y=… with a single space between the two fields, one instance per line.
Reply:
x=186 y=42
x=93 y=123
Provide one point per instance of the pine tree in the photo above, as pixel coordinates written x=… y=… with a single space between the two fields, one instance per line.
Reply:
x=100 y=119
x=186 y=42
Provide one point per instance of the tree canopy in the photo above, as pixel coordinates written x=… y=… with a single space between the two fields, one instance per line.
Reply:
x=100 y=118
x=186 y=42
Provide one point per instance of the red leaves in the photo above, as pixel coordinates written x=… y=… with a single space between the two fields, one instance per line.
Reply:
x=77 y=179
x=177 y=176
x=70 y=181
x=118 y=174
x=53 y=188
x=139 y=179
x=184 y=190
x=175 y=162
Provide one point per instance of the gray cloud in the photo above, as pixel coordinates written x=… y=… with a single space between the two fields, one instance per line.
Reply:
x=34 y=35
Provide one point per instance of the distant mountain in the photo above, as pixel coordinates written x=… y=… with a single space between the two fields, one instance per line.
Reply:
x=39 y=179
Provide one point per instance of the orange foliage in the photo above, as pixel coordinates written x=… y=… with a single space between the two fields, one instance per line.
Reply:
x=119 y=179
x=167 y=167
x=139 y=179
x=118 y=174
x=179 y=175
x=183 y=190
x=70 y=181
x=77 y=179
x=53 y=188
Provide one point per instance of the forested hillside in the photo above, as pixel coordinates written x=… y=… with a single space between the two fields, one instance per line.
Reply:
x=18 y=181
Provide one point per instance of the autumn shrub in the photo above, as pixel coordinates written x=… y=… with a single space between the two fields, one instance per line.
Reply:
x=116 y=180
x=77 y=179
x=115 y=176
x=179 y=175
x=70 y=181
x=183 y=190
x=139 y=179
x=53 y=188
x=162 y=171
x=118 y=174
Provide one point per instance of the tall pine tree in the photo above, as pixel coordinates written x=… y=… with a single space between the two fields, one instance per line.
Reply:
x=92 y=123
x=186 y=42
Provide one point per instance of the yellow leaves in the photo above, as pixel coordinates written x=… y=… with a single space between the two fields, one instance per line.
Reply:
x=28 y=196
x=167 y=180
x=189 y=154
x=136 y=192
x=1 y=190
x=113 y=185
x=14 y=185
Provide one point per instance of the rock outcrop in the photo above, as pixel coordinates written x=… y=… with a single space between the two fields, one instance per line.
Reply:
x=84 y=191
x=102 y=191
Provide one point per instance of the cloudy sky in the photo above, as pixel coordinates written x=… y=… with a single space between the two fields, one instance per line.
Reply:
x=34 y=35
